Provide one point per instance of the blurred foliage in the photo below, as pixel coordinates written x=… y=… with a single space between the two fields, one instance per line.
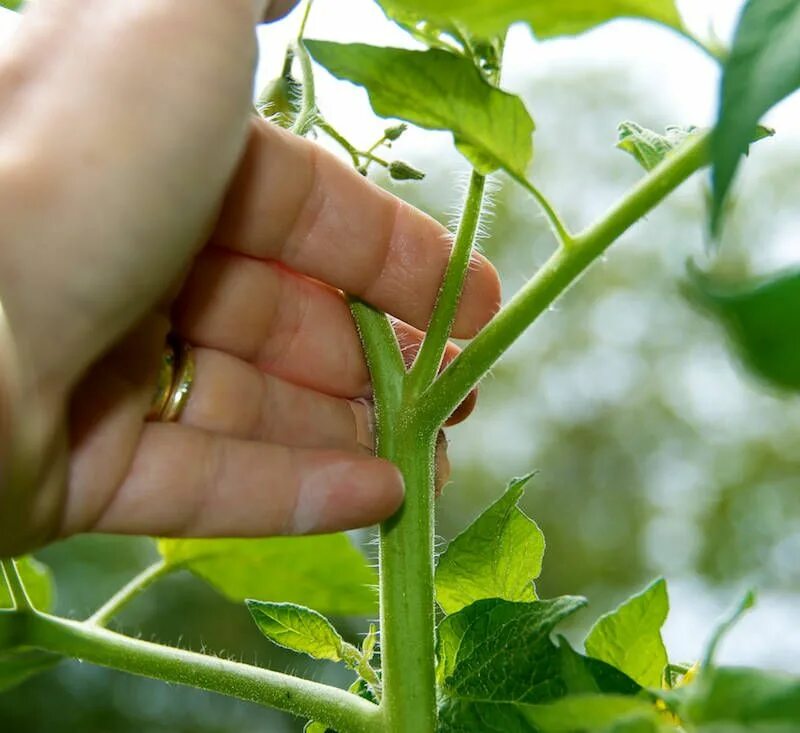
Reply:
x=655 y=453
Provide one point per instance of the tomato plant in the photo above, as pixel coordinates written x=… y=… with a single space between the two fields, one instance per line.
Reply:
x=464 y=641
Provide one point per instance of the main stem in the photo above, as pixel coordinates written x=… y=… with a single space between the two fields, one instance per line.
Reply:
x=406 y=564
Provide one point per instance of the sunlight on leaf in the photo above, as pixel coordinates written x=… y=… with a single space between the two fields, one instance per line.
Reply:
x=547 y=18
x=38 y=581
x=498 y=556
x=323 y=571
x=438 y=90
x=299 y=629
x=588 y=713
x=629 y=638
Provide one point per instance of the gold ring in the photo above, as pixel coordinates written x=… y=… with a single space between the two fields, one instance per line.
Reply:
x=174 y=383
x=166 y=375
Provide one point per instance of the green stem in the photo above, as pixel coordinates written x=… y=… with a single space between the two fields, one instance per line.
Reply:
x=126 y=594
x=562 y=269
x=406 y=540
x=406 y=565
x=334 y=134
x=335 y=708
x=384 y=359
x=430 y=354
x=16 y=588
x=556 y=223
x=307 y=116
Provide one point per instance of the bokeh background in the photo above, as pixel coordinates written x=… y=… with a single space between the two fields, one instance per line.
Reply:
x=656 y=453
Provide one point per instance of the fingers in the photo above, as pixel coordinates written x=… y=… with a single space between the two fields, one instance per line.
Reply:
x=187 y=482
x=286 y=324
x=276 y=9
x=234 y=398
x=155 y=171
x=295 y=202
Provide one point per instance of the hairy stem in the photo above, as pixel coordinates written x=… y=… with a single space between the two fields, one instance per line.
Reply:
x=406 y=577
x=127 y=593
x=336 y=708
x=430 y=354
x=556 y=223
x=555 y=276
x=384 y=359
x=16 y=588
x=337 y=136
x=406 y=540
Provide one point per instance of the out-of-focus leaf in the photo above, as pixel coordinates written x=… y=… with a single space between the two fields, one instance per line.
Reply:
x=763 y=67
x=629 y=638
x=495 y=655
x=498 y=556
x=38 y=582
x=741 y=696
x=438 y=90
x=323 y=571
x=589 y=713
x=17 y=665
x=547 y=18
x=12 y=4
x=761 y=318
x=747 y=602
x=299 y=629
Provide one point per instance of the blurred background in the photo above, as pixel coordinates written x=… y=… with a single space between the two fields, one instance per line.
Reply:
x=656 y=453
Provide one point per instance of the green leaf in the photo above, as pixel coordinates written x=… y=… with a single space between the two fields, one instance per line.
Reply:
x=299 y=629
x=438 y=90
x=495 y=655
x=588 y=713
x=761 y=319
x=762 y=69
x=38 y=582
x=12 y=4
x=323 y=571
x=18 y=665
x=747 y=602
x=498 y=556
x=629 y=638
x=650 y=148
x=741 y=695
x=547 y=18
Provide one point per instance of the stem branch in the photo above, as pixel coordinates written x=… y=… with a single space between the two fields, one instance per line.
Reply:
x=561 y=270
x=329 y=705
x=430 y=354
x=126 y=594
x=16 y=588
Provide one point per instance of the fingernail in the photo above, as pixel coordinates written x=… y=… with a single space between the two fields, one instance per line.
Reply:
x=345 y=494
x=364 y=414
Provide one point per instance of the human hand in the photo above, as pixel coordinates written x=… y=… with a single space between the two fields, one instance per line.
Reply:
x=137 y=197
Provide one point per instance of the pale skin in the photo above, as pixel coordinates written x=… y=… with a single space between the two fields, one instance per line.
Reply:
x=138 y=195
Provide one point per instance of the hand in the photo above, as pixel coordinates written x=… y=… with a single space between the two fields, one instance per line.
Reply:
x=137 y=196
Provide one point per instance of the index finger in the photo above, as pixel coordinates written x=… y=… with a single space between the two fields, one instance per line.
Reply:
x=293 y=201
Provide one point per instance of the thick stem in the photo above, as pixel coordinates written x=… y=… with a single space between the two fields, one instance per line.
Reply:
x=430 y=354
x=560 y=271
x=126 y=594
x=407 y=603
x=336 y=708
x=20 y=600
